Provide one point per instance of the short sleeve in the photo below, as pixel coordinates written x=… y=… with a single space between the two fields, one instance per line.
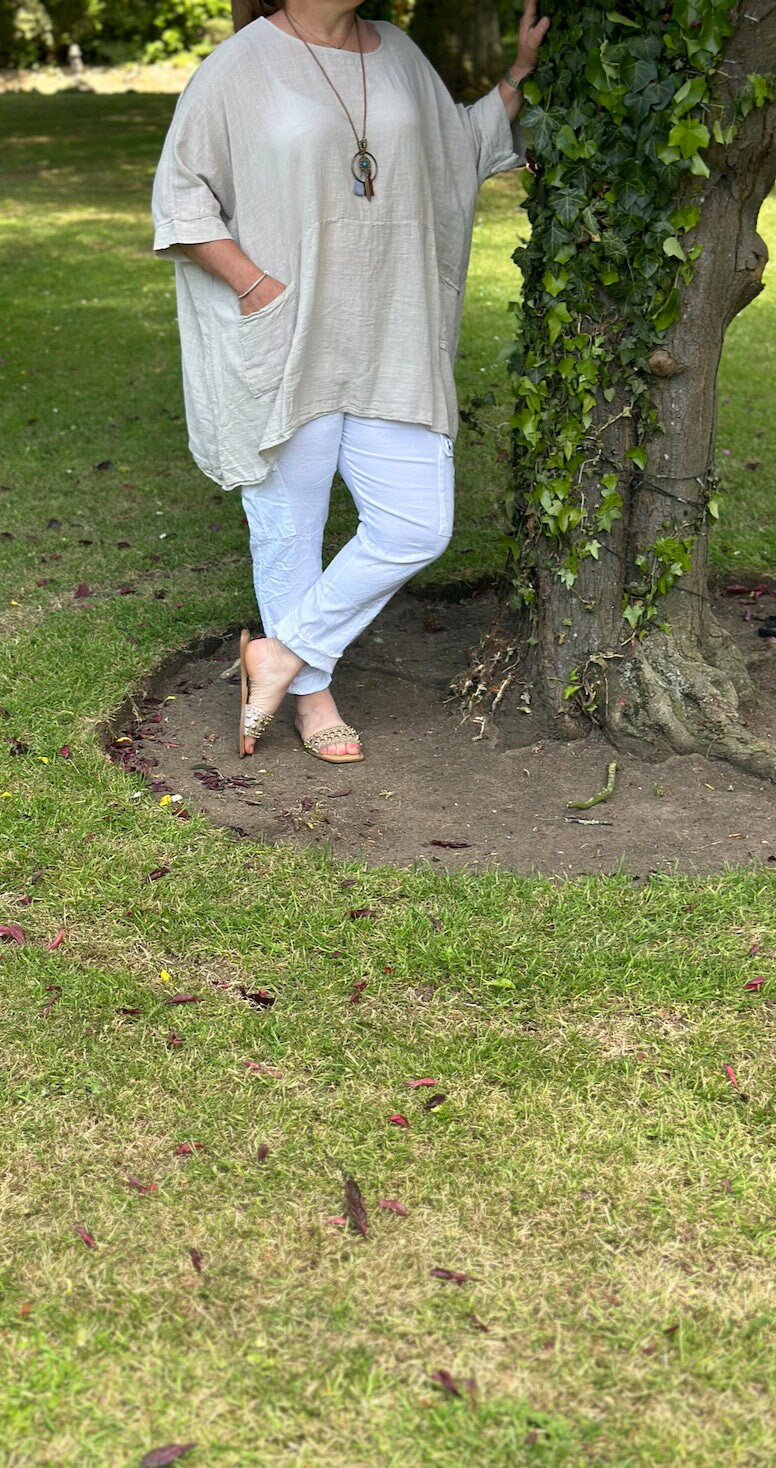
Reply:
x=499 y=144
x=193 y=188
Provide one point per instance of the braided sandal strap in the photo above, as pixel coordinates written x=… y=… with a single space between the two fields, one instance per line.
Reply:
x=255 y=721
x=335 y=734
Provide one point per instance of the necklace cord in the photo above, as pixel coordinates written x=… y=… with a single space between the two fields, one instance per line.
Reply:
x=360 y=141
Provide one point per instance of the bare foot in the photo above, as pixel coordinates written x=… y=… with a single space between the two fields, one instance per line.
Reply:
x=316 y=711
x=271 y=667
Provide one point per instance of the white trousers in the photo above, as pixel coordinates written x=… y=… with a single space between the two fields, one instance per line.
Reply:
x=401 y=478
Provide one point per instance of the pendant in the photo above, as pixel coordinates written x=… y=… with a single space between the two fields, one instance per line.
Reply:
x=364 y=169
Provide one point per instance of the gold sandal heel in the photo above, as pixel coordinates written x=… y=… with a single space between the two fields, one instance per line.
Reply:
x=253 y=720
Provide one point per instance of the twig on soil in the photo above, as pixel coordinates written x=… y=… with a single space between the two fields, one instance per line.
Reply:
x=580 y=821
x=602 y=794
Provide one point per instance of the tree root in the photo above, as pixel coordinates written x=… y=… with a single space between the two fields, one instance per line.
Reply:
x=665 y=700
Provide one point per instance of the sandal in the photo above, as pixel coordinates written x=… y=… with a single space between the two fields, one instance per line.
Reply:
x=334 y=734
x=253 y=720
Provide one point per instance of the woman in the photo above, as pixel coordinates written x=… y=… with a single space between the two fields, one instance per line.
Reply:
x=317 y=192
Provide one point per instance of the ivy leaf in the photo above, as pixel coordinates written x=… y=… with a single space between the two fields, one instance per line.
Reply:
x=568 y=206
x=668 y=312
x=639 y=456
x=672 y=247
x=688 y=136
x=636 y=73
x=683 y=219
x=689 y=96
x=633 y=613
x=554 y=284
x=538 y=123
x=597 y=72
x=558 y=316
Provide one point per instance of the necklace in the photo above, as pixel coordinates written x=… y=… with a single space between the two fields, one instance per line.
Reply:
x=363 y=164
x=319 y=39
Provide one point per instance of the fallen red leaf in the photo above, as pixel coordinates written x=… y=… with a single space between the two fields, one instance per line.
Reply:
x=57 y=940
x=434 y=1101
x=25 y=1309
x=454 y=1276
x=262 y=1152
x=128 y=1010
x=337 y=1220
x=196 y=1259
x=265 y=1070
x=355 y=1207
x=445 y=1380
x=157 y=873
x=81 y=591
x=393 y=1207
x=184 y=999
x=134 y=1182
x=451 y=845
x=174 y=1039
x=755 y=983
x=260 y=997
x=160 y=1457
x=12 y=933
x=85 y=1235
x=398 y=1120
x=64 y=751
x=754 y=950
x=357 y=992
x=423 y=1081
x=362 y=912
x=186 y=1148
x=55 y=992
x=731 y=1075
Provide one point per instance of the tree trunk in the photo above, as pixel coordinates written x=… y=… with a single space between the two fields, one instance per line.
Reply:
x=464 y=46
x=681 y=686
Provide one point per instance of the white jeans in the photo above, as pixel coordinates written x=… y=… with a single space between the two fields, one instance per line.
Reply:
x=401 y=478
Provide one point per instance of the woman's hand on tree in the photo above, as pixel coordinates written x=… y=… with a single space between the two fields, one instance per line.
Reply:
x=529 y=38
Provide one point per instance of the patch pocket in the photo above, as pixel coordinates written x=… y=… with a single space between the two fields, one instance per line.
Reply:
x=265 y=339
x=450 y=306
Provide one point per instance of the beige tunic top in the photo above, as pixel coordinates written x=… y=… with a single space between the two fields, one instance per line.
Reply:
x=260 y=151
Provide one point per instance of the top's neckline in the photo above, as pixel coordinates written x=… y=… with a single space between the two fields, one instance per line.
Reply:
x=329 y=49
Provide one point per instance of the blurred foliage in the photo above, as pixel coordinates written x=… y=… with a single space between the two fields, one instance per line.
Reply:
x=32 y=31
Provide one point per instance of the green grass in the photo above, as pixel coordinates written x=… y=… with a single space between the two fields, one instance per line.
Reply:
x=593 y=1168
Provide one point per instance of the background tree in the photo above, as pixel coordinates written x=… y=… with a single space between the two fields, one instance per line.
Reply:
x=653 y=136
x=463 y=42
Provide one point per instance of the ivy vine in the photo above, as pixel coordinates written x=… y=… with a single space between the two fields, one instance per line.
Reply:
x=602 y=272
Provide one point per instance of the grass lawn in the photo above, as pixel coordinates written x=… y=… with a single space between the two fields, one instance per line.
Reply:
x=598 y=1177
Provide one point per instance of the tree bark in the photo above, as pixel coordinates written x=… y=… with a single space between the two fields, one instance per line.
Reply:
x=680 y=689
x=464 y=47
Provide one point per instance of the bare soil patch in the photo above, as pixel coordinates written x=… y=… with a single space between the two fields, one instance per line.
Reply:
x=428 y=780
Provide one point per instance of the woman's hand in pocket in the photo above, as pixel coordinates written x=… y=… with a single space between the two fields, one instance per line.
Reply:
x=262 y=296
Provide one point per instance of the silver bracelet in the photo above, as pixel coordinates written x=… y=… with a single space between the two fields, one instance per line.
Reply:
x=510 y=81
x=243 y=294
